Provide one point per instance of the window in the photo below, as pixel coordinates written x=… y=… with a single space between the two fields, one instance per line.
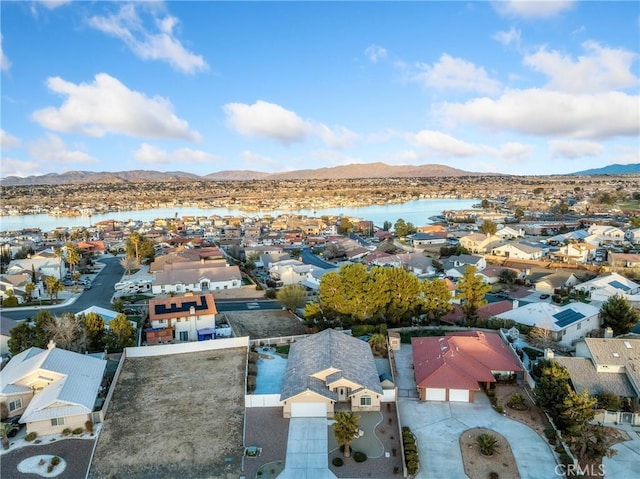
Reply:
x=579 y=326
x=57 y=421
x=16 y=404
x=365 y=401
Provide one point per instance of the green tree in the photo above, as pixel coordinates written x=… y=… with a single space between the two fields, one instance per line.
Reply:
x=94 y=330
x=634 y=222
x=29 y=288
x=345 y=429
x=5 y=430
x=397 y=292
x=121 y=333
x=139 y=247
x=21 y=337
x=292 y=296
x=472 y=292
x=507 y=276
x=552 y=387
x=54 y=286
x=345 y=226
x=72 y=255
x=578 y=410
x=436 y=300
x=378 y=343
x=488 y=227
x=402 y=228
x=618 y=314
x=609 y=401
x=518 y=213
x=386 y=226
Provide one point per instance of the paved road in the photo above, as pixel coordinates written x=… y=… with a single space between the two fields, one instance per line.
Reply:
x=309 y=258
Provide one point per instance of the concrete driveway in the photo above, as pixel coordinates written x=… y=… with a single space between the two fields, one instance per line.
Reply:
x=438 y=425
x=626 y=463
x=307 y=450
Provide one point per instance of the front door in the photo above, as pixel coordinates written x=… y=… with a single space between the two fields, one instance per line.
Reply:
x=342 y=394
x=184 y=336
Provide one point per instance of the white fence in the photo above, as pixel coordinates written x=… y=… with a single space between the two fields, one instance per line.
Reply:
x=262 y=400
x=388 y=395
x=192 y=347
x=617 y=417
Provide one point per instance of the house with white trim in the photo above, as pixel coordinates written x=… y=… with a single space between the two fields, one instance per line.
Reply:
x=191 y=317
x=601 y=288
x=196 y=276
x=52 y=389
x=290 y=271
x=518 y=251
x=607 y=234
x=45 y=262
x=509 y=233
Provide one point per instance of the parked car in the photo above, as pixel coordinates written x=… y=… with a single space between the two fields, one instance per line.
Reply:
x=544 y=296
x=87 y=286
x=15 y=420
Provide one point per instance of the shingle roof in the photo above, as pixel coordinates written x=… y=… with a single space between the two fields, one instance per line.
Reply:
x=351 y=357
x=584 y=376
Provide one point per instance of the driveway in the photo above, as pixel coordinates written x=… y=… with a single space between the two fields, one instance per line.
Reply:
x=307 y=450
x=437 y=426
x=626 y=463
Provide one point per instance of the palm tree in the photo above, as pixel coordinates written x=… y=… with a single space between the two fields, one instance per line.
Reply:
x=73 y=255
x=377 y=342
x=54 y=286
x=59 y=254
x=29 y=288
x=345 y=429
x=5 y=429
x=487 y=443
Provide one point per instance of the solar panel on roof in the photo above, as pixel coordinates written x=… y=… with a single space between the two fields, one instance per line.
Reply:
x=179 y=308
x=566 y=317
x=619 y=285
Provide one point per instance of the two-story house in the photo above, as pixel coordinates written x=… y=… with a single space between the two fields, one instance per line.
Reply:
x=191 y=317
x=290 y=271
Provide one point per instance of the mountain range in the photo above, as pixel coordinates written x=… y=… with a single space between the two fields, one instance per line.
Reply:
x=353 y=171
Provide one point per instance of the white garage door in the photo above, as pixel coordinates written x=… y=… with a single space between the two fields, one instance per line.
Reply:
x=459 y=395
x=309 y=409
x=436 y=394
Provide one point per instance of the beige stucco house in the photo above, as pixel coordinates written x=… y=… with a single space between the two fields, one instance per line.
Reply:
x=51 y=389
x=326 y=369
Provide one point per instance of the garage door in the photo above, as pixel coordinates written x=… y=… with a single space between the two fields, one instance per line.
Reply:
x=435 y=394
x=459 y=395
x=309 y=409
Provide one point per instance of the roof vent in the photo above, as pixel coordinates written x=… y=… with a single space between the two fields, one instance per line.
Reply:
x=627 y=344
x=615 y=355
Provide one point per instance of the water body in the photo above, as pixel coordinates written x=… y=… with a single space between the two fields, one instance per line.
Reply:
x=417 y=212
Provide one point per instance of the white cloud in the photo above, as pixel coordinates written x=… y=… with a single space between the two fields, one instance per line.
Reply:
x=53 y=4
x=512 y=152
x=162 y=44
x=53 y=149
x=5 y=64
x=531 y=8
x=444 y=144
x=512 y=37
x=267 y=120
x=540 y=112
x=601 y=69
x=337 y=137
x=7 y=140
x=256 y=162
x=574 y=149
x=150 y=154
x=451 y=73
x=14 y=167
x=108 y=106
x=375 y=53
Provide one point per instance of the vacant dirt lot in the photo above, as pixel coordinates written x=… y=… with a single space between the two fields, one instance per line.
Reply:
x=174 y=416
x=265 y=324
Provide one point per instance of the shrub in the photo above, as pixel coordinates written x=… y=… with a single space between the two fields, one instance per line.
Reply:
x=550 y=433
x=337 y=461
x=66 y=431
x=499 y=409
x=31 y=436
x=253 y=357
x=77 y=431
x=49 y=468
x=412 y=467
x=487 y=443
x=359 y=456
x=410 y=448
x=88 y=426
x=252 y=369
x=494 y=475
x=55 y=460
x=270 y=294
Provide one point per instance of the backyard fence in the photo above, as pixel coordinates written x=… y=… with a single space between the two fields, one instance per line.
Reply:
x=262 y=400
x=618 y=417
x=191 y=347
x=114 y=381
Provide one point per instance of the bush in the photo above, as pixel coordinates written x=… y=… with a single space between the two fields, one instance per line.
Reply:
x=359 y=456
x=55 y=460
x=31 y=436
x=77 y=431
x=49 y=468
x=499 y=409
x=412 y=467
x=494 y=475
x=270 y=294
x=410 y=448
x=88 y=426
x=66 y=431
x=252 y=369
x=253 y=357
x=337 y=461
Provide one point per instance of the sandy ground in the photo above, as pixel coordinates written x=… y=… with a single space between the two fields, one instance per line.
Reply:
x=175 y=416
x=265 y=323
x=478 y=466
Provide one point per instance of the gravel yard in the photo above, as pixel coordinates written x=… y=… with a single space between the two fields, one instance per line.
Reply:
x=265 y=323
x=174 y=416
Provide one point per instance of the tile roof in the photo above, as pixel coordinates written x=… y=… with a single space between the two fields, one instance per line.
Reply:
x=351 y=357
x=460 y=360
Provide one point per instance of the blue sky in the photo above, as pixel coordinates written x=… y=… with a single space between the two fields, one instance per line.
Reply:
x=511 y=87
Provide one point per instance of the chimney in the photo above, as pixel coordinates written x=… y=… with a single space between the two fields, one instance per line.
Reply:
x=608 y=333
x=548 y=354
x=52 y=344
x=516 y=304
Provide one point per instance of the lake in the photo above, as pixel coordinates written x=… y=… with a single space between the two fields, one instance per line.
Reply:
x=417 y=212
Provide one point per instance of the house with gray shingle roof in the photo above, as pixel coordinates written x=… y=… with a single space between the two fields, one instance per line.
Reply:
x=328 y=368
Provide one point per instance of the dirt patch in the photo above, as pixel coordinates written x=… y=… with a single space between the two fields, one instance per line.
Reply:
x=533 y=417
x=173 y=416
x=265 y=324
x=479 y=466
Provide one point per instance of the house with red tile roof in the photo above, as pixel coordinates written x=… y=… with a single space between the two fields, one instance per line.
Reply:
x=456 y=366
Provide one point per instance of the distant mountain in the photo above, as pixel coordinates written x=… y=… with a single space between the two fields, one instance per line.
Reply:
x=616 y=169
x=363 y=170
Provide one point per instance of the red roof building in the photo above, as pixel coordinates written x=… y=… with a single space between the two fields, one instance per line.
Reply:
x=455 y=366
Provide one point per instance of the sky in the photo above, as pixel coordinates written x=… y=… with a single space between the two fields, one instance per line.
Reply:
x=514 y=87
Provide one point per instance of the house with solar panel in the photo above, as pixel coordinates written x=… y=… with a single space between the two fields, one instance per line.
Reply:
x=566 y=324
x=191 y=317
x=52 y=389
x=602 y=288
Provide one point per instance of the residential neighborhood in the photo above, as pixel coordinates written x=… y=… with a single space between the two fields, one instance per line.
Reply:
x=345 y=351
